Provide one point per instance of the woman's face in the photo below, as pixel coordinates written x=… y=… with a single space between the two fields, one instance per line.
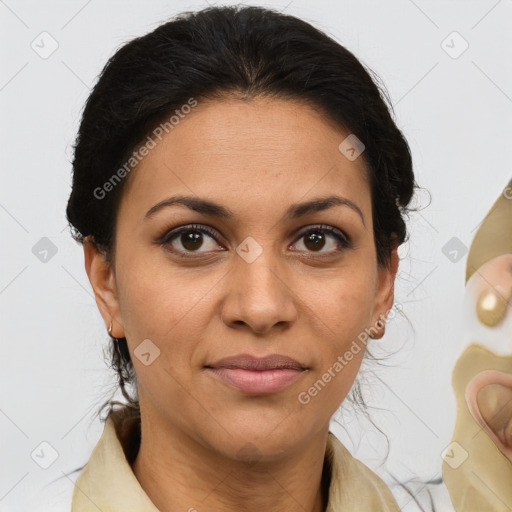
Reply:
x=265 y=278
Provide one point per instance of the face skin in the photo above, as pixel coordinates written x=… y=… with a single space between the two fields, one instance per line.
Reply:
x=308 y=302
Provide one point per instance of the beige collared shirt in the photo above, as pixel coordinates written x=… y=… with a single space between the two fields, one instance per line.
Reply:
x=107 y=482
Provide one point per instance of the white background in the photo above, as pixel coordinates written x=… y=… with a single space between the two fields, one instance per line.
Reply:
x=455 y=112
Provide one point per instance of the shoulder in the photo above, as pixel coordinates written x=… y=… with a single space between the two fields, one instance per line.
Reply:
x=353 y=484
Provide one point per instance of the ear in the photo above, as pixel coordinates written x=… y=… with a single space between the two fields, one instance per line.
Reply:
x=102 y=279
x=489 y=399
x=385 y=293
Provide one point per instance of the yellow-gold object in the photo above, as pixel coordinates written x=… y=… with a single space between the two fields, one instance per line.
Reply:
x=494 y=236
x=477 y=468
x=491 y=306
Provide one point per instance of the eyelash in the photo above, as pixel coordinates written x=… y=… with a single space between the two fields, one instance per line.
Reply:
x=169 y=236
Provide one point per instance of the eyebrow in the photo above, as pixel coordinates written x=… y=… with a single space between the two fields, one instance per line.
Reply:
x=295 y=211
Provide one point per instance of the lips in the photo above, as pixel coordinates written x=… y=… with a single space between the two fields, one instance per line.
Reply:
x=257 y=375
x=248 y=362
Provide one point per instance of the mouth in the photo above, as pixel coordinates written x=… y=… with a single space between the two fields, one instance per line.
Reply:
x=254 y=375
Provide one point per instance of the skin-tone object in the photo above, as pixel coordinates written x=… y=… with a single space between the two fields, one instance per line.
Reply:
x=482 y=481
x=202 y=302
x=477 y=466
x=489 y=398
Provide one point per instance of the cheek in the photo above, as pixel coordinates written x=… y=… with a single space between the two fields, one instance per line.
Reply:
x=158 y=306
x=156 y=300
x=342 y=320
x=346 y=305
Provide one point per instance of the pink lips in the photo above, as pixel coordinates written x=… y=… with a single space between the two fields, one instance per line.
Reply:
x=257 y=375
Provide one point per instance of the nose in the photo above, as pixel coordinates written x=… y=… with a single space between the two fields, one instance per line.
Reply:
x=260 y=296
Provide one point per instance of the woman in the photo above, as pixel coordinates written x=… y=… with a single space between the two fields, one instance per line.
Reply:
x=239 y=188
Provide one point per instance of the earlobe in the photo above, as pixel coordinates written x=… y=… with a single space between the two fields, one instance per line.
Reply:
x=385 y=294
x=102 y=279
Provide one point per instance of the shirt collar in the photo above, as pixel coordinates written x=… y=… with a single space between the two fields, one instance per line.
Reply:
x=107 y=481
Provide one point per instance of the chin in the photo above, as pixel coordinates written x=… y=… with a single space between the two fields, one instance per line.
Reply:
x=257 y=442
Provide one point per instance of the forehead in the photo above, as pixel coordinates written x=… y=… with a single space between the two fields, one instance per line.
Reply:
x=262 y=150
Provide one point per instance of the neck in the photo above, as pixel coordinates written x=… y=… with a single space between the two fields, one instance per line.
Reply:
x=180 y=473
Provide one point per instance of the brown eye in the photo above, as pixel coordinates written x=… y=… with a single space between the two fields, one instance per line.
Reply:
x=316 y=239
x=190 y=239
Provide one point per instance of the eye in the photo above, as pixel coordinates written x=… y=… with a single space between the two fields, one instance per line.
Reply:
x=189 y=239
x=317 y=238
